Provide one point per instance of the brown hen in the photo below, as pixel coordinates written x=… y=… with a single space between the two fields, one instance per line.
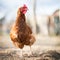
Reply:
x=21 y=33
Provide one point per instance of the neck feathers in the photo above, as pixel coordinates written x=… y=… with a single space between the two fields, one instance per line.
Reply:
x=20 y=22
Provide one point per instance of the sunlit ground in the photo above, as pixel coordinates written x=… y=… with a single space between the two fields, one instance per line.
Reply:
x=43 y=43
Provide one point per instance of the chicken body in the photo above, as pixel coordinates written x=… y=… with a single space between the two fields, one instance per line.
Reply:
x=21 y=33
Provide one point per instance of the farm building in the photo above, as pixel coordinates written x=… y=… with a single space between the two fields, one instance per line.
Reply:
x=55 y=23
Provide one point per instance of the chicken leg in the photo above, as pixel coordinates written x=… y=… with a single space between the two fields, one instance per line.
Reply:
x=31 y=50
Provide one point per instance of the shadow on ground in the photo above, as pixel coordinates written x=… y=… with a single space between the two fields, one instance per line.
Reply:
x=12 y=55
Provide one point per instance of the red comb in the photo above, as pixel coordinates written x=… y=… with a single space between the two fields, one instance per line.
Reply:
x=24 y=6
x=24 y=9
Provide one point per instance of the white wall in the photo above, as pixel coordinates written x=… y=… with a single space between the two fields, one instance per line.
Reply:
x=42 y=22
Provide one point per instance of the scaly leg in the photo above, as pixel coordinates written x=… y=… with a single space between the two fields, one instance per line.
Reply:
x=31 y=51
x=21 y=52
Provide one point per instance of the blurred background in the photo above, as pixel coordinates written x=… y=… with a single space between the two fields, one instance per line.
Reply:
x=43 y=16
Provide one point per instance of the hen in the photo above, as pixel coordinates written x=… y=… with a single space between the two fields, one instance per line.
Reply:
x=21 y=33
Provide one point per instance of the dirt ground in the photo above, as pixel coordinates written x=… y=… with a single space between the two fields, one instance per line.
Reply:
x=45 y=48
x=15 y=54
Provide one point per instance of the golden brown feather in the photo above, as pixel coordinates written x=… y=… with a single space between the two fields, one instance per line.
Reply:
x=21 y=33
